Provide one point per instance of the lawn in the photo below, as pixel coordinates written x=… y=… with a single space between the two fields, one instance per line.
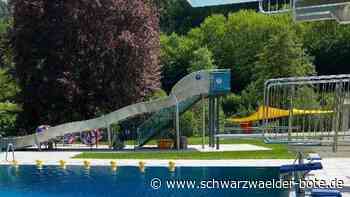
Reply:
x=279 y=151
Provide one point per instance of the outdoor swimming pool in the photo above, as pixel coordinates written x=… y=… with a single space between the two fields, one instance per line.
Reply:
x=101 y=181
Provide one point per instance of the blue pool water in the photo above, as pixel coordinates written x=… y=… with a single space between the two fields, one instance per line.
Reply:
x=75 y=181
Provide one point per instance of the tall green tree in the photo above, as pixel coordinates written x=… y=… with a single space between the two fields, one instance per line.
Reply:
x=180 y=56
x=329 y=43
x=8 y=108
x=282 y=56
x=9 y=89
x=254 y=46
x=236 y=40
x=178 y=16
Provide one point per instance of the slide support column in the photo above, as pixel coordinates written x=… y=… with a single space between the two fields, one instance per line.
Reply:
x=210 y=120
x=217 y=130
x=203 y=122
x=177 y=124
x=109 y=136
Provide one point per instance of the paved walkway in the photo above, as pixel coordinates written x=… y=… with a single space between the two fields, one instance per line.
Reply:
x=229 y=147
x=53 y=158
x=334 y=168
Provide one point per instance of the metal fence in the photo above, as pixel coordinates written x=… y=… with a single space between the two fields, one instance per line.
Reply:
x=309 y=10
x=275 y=6
x=318 y=110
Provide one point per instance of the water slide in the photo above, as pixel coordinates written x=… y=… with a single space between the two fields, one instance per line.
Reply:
x=184 y=94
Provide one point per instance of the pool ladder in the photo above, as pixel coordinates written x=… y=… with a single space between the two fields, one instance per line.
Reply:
x=11 y=148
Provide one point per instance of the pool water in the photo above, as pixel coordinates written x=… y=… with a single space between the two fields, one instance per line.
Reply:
x=101 y=181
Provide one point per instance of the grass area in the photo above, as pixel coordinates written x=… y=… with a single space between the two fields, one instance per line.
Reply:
x=279 y=151
x=198 y=141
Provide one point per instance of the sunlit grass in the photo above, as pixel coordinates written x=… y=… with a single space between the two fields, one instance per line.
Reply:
x=278 y=151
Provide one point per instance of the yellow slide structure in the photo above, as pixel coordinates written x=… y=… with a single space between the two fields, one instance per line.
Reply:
x=271 y=113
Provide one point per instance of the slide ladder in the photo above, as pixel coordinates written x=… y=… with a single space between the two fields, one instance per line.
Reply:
x=162 y=120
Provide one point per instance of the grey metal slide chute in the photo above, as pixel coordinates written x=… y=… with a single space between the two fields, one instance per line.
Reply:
x=194 y=84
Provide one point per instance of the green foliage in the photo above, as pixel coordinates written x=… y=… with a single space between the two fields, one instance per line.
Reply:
x=6 y=53
x=188 y=124
x=282 y=56
x=308 y=97
x=180 y=55
x=8 y=85
x=156 y=94
x=211 y=34
x=7 y=124
x=178 y=16
x=9 y=107
x=3 y=26
x=329 y=43
x=174 y=59
x=254 y=46
x=250 y=98
x=230 y=104
x=202 y=59
x=237 y=40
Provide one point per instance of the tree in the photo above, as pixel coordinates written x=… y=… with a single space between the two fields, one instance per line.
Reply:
x=180 y=56
x=8 y=85
x=282 y=56
x=202 y=59
x=329 y=43
x=236 y=40
x=230 y=104
x=177 y=16
x=156 y=94
x=254 y=46
x=8 y=108
x=79 y=59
